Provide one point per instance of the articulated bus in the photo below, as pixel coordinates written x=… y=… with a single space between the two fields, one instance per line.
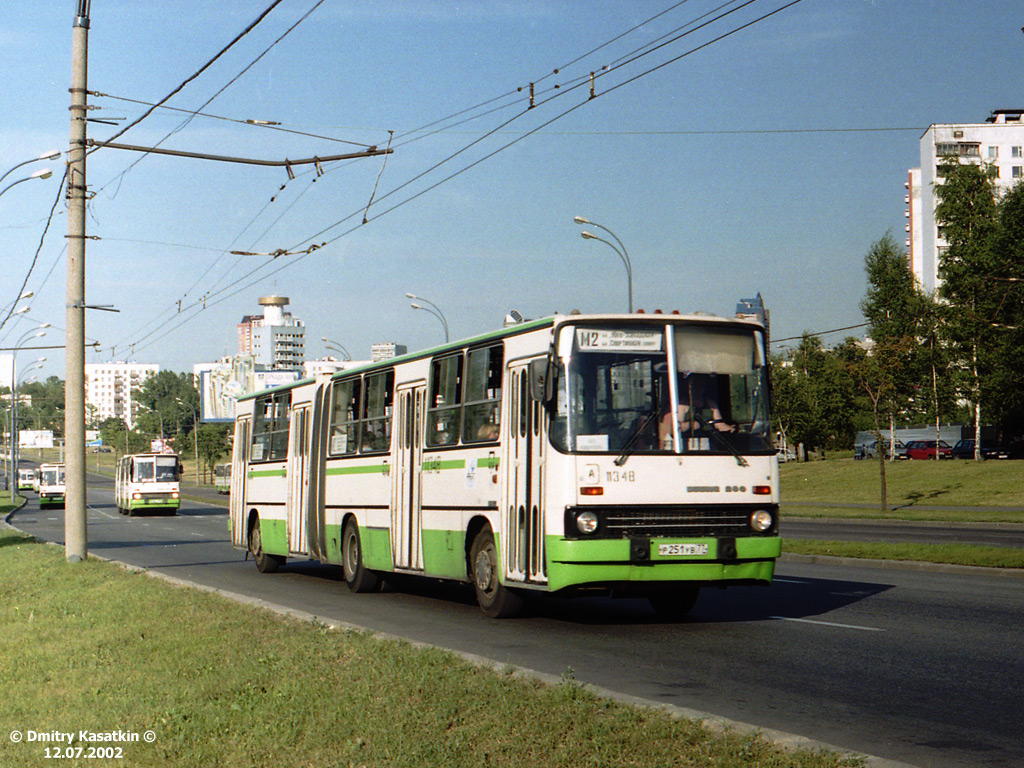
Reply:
x=147 y=481
x=603 y=454
x=51 y=486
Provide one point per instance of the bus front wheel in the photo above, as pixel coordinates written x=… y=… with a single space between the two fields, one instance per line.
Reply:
x=495 y=599
x=358 y=578
x=266 y=563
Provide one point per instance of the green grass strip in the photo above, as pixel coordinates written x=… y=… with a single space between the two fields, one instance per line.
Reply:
x=92 y=647
x=948 y=554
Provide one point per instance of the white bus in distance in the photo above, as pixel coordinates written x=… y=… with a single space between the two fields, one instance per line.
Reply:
x=52 y=488
x=601 y=454
x=147 y=481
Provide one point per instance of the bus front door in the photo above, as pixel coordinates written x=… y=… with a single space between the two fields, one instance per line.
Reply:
x=298 y=481
x=406 y=502
x=523 y=446
x=239 y=471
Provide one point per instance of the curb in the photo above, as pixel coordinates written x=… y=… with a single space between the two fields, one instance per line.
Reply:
x=902 y=565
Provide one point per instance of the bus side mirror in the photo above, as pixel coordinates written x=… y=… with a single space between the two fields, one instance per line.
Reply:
x=179 y=471
x=542 y=382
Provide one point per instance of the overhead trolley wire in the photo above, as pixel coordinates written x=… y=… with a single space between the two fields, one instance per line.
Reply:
x=300 y=255
x=197 y=73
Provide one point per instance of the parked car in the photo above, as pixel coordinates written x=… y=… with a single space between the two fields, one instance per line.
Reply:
x=787 y=455
x=965 y=450
x=870 y=450
x=926 y=449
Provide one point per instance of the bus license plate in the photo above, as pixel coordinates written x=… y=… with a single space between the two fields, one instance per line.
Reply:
x=682 y=550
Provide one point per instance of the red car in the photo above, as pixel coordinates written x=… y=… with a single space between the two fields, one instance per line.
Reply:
x=926 y=449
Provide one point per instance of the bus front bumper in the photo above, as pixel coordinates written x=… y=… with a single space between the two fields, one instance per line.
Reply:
x=610 y=562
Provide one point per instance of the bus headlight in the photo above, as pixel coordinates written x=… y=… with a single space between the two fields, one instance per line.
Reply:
x=761 y=521
x=586 y=522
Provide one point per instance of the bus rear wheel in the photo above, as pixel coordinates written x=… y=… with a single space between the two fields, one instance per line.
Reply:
x=266 y=563
x=675 y=604
x=495 y=599
x=358 y=578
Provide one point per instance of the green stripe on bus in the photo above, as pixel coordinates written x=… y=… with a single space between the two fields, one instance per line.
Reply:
x=361 y=469
x=434 y=465
x=266 y=473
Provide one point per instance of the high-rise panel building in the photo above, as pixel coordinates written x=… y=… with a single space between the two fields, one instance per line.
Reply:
x=997 y=143
x=109 y=389
x=276 y=339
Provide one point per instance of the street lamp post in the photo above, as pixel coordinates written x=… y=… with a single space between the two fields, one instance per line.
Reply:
x=336 y=346
x=621 y=250
x=35 y=333
x=195 y=432
x=432 y=309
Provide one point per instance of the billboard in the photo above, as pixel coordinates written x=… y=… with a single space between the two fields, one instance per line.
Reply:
x=35 y=438
x=220 y=388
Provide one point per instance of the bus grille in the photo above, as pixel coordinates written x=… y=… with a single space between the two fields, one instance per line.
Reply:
x=670 y=522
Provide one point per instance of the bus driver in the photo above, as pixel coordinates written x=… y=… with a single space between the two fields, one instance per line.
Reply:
x=698 y=408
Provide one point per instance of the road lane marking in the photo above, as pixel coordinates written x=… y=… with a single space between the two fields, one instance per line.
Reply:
x=827 y=624
x=790 y=581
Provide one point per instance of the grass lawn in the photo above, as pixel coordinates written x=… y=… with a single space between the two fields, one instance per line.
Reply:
x=93 y=647
x=915 y=487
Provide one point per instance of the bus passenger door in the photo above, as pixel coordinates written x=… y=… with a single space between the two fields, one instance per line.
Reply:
x=239 y=471
x=523 y=447
x=406 y=508
x=298 y=481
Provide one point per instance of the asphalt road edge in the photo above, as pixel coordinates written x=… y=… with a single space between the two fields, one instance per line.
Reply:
x=903 y=565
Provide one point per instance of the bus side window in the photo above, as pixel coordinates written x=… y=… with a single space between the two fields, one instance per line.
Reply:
x=270 y=427
x=482 y=420
x=344 y=417
x=377 y=407
x=444 y=409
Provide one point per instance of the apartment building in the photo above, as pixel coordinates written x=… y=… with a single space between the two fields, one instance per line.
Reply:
x=997 y=143
x=109 y=388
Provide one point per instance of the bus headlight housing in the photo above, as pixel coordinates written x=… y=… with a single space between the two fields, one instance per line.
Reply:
x=587 y=522
x=761 y=521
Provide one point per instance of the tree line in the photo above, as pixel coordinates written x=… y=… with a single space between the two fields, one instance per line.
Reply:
x=168 y=408
x=950 y=357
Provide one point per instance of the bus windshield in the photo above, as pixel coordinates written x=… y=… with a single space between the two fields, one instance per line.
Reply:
x=159 y=469
x=52 y=476
x=619 y=386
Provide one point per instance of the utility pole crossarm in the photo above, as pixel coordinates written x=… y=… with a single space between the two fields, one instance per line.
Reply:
x=371 y=152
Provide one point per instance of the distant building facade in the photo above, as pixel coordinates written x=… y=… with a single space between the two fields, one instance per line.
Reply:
x=997 y=143
x=276 y=339
x=387 y=350
x=109 y=389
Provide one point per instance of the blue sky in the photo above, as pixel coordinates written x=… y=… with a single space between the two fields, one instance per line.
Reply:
x=731 y=171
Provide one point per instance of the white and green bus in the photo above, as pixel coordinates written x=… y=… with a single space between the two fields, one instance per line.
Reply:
x=147 y=482
x=540 y=458
x=52 y=487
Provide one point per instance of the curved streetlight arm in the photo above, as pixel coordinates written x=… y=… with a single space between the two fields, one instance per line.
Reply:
x=440 y=315
x=52 y=155
x=436 y=314
x=337 y=346
x=622 y=255
x=43 y=174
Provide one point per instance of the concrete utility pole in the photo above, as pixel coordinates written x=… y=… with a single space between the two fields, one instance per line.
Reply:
x=75 y=536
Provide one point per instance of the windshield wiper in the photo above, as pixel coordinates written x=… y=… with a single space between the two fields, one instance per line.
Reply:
x=721 y=440
x=624 y=456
